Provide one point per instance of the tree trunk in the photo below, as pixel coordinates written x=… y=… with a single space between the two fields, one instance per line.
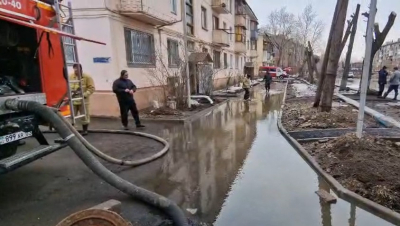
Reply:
x=347 y=65
x=310 y=68
x=334 y=56
x=321 y=80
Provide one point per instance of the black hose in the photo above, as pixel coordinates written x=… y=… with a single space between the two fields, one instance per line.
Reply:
x=166 y=205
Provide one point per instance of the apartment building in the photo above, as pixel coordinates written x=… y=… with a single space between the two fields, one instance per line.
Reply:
x=145 y=37
x=388 y=55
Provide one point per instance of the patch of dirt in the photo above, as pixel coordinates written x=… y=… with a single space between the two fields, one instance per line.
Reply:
x=168 y=113
x=300 y=115
x=369 y=166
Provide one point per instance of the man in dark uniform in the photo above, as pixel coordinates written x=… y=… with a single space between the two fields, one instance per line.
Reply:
x=124 y=89
x=382 y=80
x=268 y=81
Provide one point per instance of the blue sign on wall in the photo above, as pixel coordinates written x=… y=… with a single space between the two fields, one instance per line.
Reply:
x=104 y=60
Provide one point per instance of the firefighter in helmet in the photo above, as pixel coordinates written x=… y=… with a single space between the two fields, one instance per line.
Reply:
x=87 y=88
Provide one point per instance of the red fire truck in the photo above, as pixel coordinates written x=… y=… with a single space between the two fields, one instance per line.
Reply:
x=32 y=67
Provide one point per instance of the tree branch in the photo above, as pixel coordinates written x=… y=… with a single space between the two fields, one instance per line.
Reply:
x=381 y=36
x=346 y=35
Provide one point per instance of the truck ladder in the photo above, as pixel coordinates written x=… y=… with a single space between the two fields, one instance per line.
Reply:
x=66 y=24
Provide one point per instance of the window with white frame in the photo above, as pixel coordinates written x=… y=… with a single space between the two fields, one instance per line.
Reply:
x=173 y=6
x=204 y=18
x=139 y=48
x=217 y=59
x=173 y=53
x=225 y=60
x=236 y=61
x=189 y=17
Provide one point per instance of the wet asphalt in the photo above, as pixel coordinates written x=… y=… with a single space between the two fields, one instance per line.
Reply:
x=229 y=167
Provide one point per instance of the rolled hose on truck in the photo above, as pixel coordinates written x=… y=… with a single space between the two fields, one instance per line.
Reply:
x=67 y=133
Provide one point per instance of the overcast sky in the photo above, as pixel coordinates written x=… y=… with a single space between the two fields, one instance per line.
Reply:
x=325 y=10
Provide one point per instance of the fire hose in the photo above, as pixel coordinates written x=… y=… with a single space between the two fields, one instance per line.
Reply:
x=71 y=137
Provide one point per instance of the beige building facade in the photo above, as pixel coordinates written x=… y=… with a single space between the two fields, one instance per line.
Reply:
x=145 y=37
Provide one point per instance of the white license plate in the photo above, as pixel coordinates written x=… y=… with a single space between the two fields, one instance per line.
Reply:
x=14 y=137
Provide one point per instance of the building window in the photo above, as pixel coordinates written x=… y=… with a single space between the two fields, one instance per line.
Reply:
x=215 y=23
x=224 y=25
x=225 y=60
x=190 y=46
x=236 y=61
x=253 y=44
x=230 y=34
x=217 y=59
x=173 y=6
x=139 y=48
x=173 y=53
x=248 y=44
x=231 y=61
x=204 y=18
x=239 y=32
x=189 y=17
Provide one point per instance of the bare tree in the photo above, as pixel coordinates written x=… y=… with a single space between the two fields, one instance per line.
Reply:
x=334 y=56
x=347 y=65
x=380 y=37
x=280 y=28
x=309 y=27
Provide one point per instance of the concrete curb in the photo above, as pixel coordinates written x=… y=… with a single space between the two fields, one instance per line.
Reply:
x=343 y=193
x=381 y=118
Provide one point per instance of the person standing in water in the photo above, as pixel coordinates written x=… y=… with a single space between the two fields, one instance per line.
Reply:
x=268 y=81
x=246 y=86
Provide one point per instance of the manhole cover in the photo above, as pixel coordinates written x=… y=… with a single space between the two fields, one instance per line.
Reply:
x=94 y=217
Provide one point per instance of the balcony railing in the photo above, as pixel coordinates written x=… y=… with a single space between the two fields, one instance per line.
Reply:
x=240 y=45
x=221 y=6
x=240 y=21
x=221 y=37
x=253 y=53
x=151 y=12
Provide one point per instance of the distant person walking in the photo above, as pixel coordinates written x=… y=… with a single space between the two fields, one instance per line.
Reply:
x=268 y=81
x=124 y=89
x=394 y=83
x=382 y=80
x=246 y=86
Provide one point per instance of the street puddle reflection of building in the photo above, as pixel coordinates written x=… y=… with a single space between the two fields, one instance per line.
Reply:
x=207 y=154
x=233 y=167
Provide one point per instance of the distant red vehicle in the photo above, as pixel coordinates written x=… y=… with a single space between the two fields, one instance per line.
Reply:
x=274 y=72
x=288 y=70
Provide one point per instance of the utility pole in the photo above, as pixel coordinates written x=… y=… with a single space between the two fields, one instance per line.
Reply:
x=366 y=66
x=347 y=65
x=186 y=57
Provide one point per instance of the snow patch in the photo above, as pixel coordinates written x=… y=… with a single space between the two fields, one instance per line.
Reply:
x=304 y=90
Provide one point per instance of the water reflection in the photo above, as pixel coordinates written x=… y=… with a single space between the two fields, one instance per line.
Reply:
x=207 y=154
x=234 y=168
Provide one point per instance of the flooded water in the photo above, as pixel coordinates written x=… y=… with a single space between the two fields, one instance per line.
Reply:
x=235 y=168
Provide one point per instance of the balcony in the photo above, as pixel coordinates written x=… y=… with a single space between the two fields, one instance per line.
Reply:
x=221 y=6
x=221 y=38
x=150 y=12
x=240 y=21
x=240 y=47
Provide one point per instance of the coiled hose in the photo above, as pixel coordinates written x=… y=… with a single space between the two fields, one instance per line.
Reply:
x=166 y=205
x=113 y=160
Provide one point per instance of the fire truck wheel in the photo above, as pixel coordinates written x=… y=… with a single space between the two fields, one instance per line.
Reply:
x=95 y=217
x=9 y=150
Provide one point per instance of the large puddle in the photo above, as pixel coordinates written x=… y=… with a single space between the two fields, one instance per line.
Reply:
x=233 y=167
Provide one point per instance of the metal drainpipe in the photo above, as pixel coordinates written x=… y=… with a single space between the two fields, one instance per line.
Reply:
x=186 y=57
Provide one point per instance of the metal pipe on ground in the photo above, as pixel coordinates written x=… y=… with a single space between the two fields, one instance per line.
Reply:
x=151 y=198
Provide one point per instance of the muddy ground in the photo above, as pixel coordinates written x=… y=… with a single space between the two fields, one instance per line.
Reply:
x=369 y=167
x=299 y=115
